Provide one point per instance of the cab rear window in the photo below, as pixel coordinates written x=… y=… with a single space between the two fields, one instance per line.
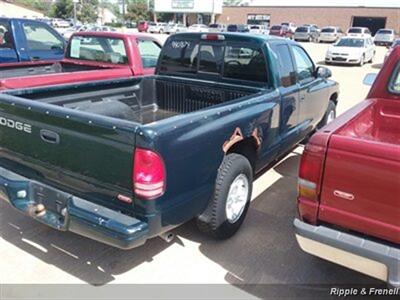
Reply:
x=220 y=59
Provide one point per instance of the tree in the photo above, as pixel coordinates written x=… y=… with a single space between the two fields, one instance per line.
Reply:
x=62 y=9
x=232 y=2
x=137 y=10
x=88 y=11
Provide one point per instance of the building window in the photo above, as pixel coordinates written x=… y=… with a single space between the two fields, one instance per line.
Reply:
x=258 y=19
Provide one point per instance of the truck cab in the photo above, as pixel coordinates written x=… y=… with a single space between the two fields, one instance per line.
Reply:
x=23 y=40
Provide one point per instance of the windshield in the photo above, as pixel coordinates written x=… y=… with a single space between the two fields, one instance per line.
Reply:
x=285 y=24
x=276 y=28
x=232 y=28
x=328 y=30
x=350 y=43
x=302 y=29
x=213 y=25
x=108 y=50
x=355 y=30
x=255 y=27
x=384 y=31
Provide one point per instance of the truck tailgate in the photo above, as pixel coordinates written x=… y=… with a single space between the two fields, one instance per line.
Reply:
x=76 y=152
x=361 y=184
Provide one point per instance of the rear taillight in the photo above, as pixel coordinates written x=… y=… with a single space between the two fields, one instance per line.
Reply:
x=148 y=174
x=310 y=172
x=213 y=37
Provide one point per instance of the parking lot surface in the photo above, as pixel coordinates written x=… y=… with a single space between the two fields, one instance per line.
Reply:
x=264 y=251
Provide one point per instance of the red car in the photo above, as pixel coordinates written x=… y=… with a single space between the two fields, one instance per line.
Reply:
x=143 y=26
x=349 y=184
x=281 y=30
x=89 y=56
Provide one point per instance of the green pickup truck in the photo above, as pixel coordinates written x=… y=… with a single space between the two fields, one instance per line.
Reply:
x=122 y=161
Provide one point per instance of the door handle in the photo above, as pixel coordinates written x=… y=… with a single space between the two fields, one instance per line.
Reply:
x=49 y=136
x=35 y=58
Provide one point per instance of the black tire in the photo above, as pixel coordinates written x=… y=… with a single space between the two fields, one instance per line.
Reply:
x=362 y=61
x=213 y=221
x=331 y=108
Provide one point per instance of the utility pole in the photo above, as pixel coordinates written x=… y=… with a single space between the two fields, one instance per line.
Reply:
x=123 y=10
x=75 y=20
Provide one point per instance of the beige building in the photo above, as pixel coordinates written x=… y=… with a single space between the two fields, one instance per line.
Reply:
x=12 y=10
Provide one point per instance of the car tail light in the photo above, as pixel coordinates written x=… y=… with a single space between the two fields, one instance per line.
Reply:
x=148 y=174
x=310 y=172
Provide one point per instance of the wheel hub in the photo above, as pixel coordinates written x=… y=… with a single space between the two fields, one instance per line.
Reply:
x=237 y=198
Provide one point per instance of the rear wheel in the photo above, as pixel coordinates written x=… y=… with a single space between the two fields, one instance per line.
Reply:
x=230 y=201
x=329 y=116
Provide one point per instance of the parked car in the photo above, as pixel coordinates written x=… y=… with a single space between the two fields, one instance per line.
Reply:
x=237 y=28
x=330 y=34
x=198 y=28
x=348 y=199
x=157 y=27
x=175 y=28
x=350 y=50
x=59 y=23
x=358 y=32
x=390 y=49
x=291 y=26
x=384 y=37
x=29 y=40
x=259 y=29
x=143 y=26
x=216 y=27
x=89 y=56
x=304 y=33
x=282 y=31
x=143 y=155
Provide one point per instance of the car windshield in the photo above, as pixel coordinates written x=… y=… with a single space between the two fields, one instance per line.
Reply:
x=328 y=30
x=232 y=27
x=214 y=26
x=384 y=31
x=355 y=30
x=255 y=27
x=350 y=43
x=109 y=50
x=276 y=27
x=302 y=29
x=285 y=24
x=153 y=24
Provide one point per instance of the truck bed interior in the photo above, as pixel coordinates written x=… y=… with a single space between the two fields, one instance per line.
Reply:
x=379 y=122
x=40 y=69
x=142 y=100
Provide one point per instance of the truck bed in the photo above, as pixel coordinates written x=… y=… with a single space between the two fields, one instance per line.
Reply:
x=377 y=123
x=141 y=100
x=23 y=70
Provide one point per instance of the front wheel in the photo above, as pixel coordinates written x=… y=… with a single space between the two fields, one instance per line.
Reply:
x=229 y=204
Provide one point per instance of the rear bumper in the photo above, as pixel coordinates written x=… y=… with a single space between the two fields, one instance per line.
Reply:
x=375 y=259
x=66 y=212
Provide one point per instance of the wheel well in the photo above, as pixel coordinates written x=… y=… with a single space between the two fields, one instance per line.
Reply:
x=247 y=148
x=334 y=98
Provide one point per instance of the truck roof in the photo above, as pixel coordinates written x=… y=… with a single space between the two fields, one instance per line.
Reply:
x=236 y=37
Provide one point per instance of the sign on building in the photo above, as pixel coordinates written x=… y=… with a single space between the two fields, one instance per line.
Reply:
x=189 y=6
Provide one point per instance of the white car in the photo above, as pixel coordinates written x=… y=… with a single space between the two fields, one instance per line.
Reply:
x=351 y=50
x=330 y=34
x=175 y=28
x=258 y=29
x=157 y=27
x=217 y=27
x=384 y=37
x=358 y=32
x=198 y=28
x=60 y=23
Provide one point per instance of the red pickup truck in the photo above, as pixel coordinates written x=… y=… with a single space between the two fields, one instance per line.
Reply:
x=89 y=56
x=349 y=184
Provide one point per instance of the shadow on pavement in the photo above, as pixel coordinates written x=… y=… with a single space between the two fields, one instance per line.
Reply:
x=264 y=251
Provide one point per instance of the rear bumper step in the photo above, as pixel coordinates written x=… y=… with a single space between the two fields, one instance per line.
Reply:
x=375 y=259
x=64 y=211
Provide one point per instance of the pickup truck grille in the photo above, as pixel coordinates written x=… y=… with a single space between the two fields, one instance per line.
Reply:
x=183 y=98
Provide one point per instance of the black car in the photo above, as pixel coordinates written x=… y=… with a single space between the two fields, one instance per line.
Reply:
x=237 y=28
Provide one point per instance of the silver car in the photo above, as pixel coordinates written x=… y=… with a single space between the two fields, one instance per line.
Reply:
x=330 y=34
x=384 y=37
x=306 y=33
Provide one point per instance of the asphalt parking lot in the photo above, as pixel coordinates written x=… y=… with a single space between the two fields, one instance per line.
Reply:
x=264 y=251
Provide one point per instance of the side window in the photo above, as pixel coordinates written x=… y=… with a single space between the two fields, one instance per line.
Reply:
x=286 y=69
x=245 y=63
x=304 y=65
x=210 y=58
x=39 y=37
x=6 y=38
x=395 y=82
x=149 y=51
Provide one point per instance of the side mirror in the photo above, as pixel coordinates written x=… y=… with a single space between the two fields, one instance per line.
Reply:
x=369 y=78
x=323 y=72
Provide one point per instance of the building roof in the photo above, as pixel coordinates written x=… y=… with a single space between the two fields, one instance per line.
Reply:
x=326 y=3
